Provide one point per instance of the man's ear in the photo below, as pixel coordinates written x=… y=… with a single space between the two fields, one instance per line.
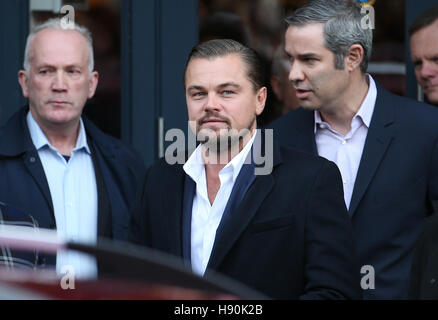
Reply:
x=94 y=80
x=354 y=57
x=22 y=79
x=261 y=100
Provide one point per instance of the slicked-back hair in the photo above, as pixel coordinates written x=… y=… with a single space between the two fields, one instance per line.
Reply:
x=424 y=20
x=56 y=24
x=342 y=20
x=223 y=47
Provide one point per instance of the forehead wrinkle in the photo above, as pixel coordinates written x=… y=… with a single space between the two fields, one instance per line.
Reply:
x=42 y=37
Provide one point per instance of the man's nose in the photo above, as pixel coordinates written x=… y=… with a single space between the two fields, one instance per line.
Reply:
x=212 y=103
x=296 y=73
x=428 y=70
x=59 y=81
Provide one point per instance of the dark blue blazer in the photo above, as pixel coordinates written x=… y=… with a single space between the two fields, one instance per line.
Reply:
x=286 y=234
x=396 y=183
x=23 y=183
x=424 y=272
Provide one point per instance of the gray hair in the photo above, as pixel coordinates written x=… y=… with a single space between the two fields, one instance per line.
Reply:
x=343 y=28
x=223 y=47
x=57 y=24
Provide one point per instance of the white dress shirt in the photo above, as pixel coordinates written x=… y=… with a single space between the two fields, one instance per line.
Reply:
x=346 y=151
x=73 y=191
x=206 y=217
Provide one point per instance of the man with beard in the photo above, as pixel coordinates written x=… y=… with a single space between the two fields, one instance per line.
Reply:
x=384 y=145
x=284 y=230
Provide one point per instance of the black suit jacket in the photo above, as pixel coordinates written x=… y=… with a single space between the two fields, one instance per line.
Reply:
x=397 y=181
x=289 y=237
x=424 y=273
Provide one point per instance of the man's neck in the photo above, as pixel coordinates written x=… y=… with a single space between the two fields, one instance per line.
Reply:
x=64 y=139
x=213 y=165
x=340 y=116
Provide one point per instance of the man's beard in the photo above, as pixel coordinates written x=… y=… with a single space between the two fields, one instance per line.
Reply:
x=227 y=141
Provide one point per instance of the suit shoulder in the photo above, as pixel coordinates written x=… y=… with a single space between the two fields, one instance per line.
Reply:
x=120 y=147
x=414 y=111
x=298 y=160
x=162 y=169
x=287 y=120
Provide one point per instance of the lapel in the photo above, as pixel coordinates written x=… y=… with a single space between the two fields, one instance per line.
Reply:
x=19 y=144
x=379 y=137
x=240 y=213
x=33 y=164
x=104 y=168
x=189 y=195
x=104 y=225
x=172 y=208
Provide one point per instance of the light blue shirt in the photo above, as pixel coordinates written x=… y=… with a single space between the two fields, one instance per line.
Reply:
x=73 y=190
x=346 y=151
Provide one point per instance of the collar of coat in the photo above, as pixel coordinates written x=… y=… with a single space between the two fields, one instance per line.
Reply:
x=15 y=137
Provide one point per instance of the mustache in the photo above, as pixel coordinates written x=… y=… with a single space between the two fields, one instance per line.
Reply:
x=215 y=115
x=299 y=86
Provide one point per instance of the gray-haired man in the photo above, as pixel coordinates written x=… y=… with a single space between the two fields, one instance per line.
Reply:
x=55 y=164
x=384 y=145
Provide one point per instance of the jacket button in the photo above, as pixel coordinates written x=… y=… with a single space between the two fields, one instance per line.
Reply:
x=432 y=281
x=32 y=159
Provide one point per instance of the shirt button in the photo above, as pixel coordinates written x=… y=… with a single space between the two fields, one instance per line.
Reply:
x=344 y=142
x=322 y=126
x=345 y=181
x=69 y=204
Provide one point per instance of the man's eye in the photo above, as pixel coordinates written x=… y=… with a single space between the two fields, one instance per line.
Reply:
x=227 y=92
x=198 y=94
x=44 y=72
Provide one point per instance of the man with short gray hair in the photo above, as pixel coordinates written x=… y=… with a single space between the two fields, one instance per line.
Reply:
x=54 y=163
x=384 y=145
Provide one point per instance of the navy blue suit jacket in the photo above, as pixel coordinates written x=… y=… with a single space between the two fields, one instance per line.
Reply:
x=397 y=181
x=23 y=183
x=288 y=236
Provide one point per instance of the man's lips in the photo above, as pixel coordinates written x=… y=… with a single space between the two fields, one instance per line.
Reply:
x=302 y=94
x=213 y=121
x=59 y=102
